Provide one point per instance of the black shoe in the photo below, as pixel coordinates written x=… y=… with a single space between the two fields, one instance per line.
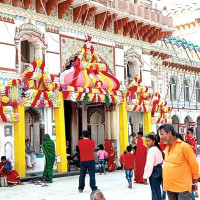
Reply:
x=80 y=191
x=94 y=189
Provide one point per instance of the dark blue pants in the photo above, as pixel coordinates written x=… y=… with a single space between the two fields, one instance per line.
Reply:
x=101 y=165
x=164 y=193
x=90 y=166
x=192 y=195
x=155 y=182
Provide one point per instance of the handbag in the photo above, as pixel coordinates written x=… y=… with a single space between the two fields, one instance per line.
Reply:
x=3 y=181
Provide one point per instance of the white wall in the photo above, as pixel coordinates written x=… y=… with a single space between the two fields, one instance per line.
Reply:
x=53 y=63
x=7 y=32
x=7 y=56
x=7 y=52
x=119 y=56
x=146 y=70
x=53 y=60
x=120 y=74
x=119 y=63
x=53 y=41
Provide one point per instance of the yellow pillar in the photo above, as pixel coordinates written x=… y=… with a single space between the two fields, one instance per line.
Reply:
x=123 y=127
x=19 y=142
x=60 y=137
x=147 y=122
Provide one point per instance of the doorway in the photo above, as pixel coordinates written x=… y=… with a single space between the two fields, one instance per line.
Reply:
x=96 y=124
x=68 y=128
x=33 y=128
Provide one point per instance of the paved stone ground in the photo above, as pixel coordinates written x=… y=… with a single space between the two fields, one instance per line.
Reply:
x=113 y=185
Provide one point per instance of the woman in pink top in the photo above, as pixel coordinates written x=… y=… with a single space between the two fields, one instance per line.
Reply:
x=102 y=155
x=153 y=167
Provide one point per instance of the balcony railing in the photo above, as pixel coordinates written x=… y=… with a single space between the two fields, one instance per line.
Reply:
x=138 y=11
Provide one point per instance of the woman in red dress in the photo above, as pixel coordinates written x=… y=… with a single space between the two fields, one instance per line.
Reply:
x=140 y=160
x=6 y=171
x=190 y=138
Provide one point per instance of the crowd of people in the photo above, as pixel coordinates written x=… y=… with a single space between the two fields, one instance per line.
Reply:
x=166 y=160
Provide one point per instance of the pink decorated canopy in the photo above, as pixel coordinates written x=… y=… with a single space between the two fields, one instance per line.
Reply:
x=90 y=71
x=90 y=79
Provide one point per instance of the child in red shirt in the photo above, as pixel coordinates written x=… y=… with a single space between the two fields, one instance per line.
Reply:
x=129 y=165
x=122 y=159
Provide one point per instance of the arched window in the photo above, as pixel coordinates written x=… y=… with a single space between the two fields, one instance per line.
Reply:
x=186 y=91
x=173 y=89
x=31 y=46
x=175 y=123
x=187 y=122
x=198 y=91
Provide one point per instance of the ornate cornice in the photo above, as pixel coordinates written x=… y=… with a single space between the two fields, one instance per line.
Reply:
x=77 y=28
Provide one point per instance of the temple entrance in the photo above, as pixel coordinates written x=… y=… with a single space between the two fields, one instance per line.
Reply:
x=135 y=122
x=96 y=124
x=33 y=128
x=68 y=127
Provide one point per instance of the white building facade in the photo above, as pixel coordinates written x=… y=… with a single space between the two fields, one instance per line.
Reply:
x=123 y=40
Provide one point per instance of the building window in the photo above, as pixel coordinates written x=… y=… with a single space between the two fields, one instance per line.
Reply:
x=25 y=51
x=198 y=92
x=133 y=69
x=175 y=123
x=187 y=122
x=173 y=88
x=153 y=86
x=28 y=51
x=186 y=91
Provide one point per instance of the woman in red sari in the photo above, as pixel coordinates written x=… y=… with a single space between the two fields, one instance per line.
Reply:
x=109 y=147
x=6 y=171
x=140 y=160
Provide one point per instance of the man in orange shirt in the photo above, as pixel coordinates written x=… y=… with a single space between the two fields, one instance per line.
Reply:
x=181 y=168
